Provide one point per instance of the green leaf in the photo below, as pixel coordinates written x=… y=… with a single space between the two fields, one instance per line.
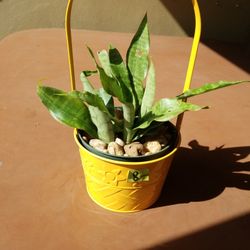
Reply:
x=104 y=60
x=207 y=87
x=93 y=100
x=108 y=100
x=118 y=67
x=67 y=109
x=88 y=73
x=99 y=114
x=120 y=72
x=149 y=130
x=111 y=85
x=149 y=93
x=145 y=121
x=91 y=53
x=114 y=68
x=167 y=109
x=137 y=57
x=103 y=123
x=128 y=116
x=87 y=86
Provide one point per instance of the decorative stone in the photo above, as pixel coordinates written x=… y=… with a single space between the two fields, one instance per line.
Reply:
x=115 y=149
x=98 y=144
x=152 y=146
x=134 y=149
x=120 y=142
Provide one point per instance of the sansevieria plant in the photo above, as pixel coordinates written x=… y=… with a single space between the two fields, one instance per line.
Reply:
x=132 y=83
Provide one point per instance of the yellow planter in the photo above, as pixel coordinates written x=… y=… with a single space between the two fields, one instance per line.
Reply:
x=123 y=186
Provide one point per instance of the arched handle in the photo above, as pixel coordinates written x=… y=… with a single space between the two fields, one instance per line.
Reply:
x=193 y=55
x=191 y=60
x=69 y=45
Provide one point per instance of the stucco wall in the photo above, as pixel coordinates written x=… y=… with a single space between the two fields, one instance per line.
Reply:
x=226 y=20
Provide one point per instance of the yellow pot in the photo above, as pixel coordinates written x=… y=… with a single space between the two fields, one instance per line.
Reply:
x=123 y=186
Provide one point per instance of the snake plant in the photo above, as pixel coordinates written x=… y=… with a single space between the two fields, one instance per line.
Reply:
x=132 y=83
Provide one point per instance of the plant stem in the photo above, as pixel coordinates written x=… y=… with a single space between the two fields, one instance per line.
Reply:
x=129 y=116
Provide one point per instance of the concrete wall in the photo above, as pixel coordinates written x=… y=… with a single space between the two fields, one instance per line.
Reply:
x=226 y=20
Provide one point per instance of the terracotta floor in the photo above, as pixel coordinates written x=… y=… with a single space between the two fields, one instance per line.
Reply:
x=205 y=203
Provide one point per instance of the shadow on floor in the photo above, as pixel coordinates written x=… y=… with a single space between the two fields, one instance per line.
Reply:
x=226 y=30
x=229 y=235
x=199 y=174
x=238 y=54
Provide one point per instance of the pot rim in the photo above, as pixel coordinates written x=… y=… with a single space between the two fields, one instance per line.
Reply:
x=164 y=153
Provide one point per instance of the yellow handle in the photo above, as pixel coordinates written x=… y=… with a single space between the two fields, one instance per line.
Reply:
x=195 y=45
x=191 y=60
x=69 y=45
x=193 y=55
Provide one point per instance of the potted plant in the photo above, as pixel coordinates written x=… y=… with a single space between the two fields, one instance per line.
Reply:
x=126 y=150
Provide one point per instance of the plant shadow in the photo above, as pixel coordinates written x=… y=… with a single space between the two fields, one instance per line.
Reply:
x=198 y=173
